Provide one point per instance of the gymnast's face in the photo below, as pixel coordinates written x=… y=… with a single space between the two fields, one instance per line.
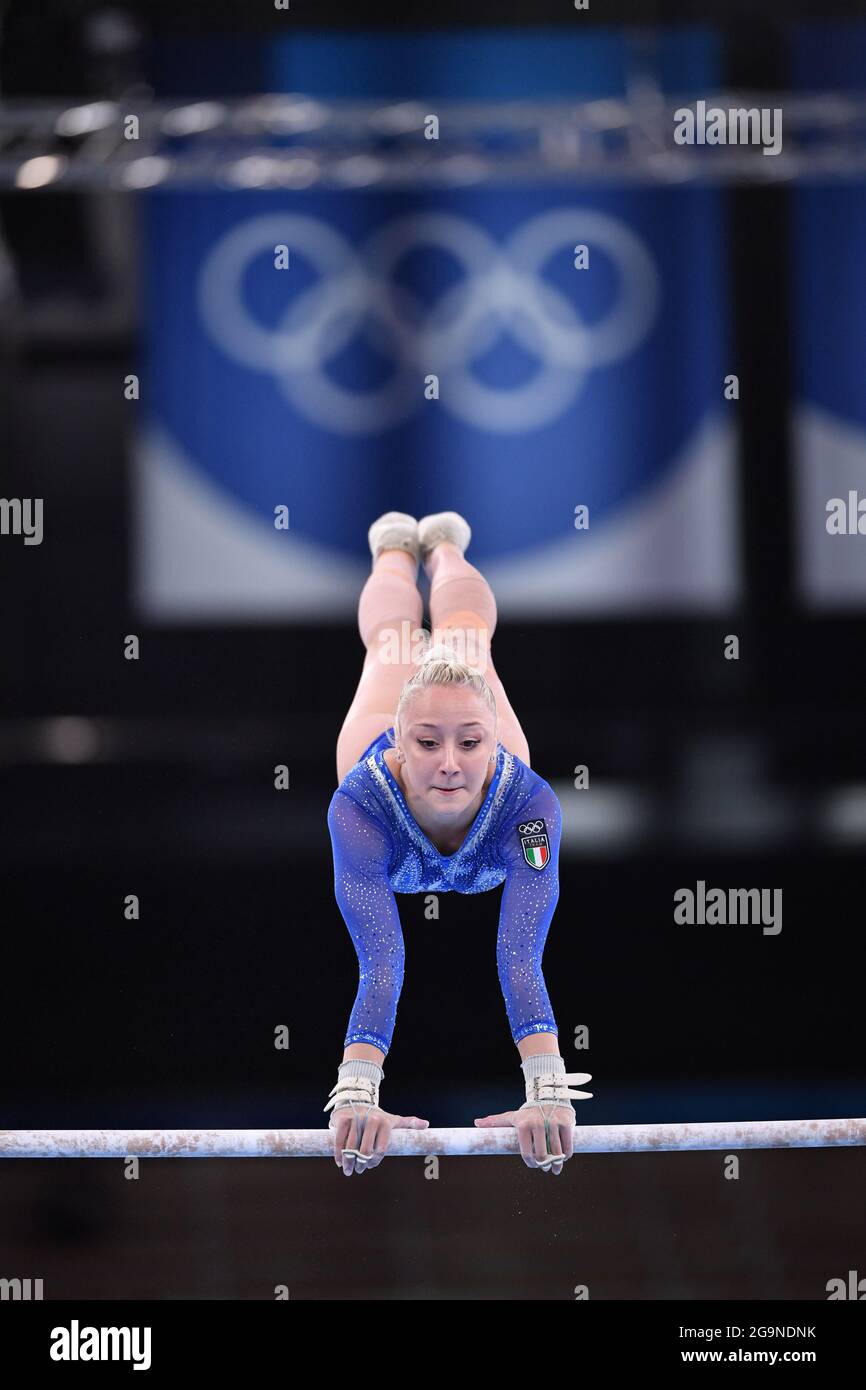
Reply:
x=448 y=739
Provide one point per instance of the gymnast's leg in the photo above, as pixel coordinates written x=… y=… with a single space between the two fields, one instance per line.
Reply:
x=390 y=611
x=462 y=601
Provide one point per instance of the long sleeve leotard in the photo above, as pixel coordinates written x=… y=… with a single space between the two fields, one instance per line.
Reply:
x=379 y=849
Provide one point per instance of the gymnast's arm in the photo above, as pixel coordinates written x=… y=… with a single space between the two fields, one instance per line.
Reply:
x=529 y=900
x=362 y=848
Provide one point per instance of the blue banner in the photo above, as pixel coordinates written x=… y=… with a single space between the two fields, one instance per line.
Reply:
x=829 y=310
x=435 y=350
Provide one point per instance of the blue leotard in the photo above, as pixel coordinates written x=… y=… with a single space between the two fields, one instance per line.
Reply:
x=379 y=850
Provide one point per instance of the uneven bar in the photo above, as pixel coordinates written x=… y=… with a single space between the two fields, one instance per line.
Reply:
x=415 y=1143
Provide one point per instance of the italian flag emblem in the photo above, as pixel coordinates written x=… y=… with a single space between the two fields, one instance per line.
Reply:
x=534 y=843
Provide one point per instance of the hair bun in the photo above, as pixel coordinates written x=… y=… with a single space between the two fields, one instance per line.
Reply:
x=441 y=651
x=444 y=663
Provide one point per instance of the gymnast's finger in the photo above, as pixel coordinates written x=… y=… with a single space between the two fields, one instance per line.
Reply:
x=527 y=1135
x=566 y=1131
x=555 y=1149
x=350 y=1132
x=374 y=1144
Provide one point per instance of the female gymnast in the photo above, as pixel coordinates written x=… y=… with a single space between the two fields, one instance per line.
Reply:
x=430 y=800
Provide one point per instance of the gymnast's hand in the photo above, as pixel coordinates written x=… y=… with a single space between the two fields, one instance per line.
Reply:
x=362 y=1133
x=531 y=1135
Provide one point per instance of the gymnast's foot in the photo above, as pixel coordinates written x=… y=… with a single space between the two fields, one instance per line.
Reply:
x=442 y=526
x=394 y=531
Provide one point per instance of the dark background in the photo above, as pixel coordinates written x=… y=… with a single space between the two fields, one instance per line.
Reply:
x=155 y=778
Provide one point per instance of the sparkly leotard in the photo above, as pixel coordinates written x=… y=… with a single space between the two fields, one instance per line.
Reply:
x=379 y=850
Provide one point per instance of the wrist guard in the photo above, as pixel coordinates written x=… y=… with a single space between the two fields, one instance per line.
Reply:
x=357 y=1083
x=547 y=1086
x=548 y=1083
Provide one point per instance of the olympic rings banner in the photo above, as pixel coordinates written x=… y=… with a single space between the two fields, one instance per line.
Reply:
x=578 y=419
x=829 y=310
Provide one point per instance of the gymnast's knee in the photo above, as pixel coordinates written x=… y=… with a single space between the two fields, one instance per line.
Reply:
x=468 y=594
x=378 y=604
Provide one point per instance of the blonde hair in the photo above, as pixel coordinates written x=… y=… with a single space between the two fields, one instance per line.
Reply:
x=441 y=664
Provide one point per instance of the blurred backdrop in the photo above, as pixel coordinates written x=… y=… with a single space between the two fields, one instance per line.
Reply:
x=167 y=390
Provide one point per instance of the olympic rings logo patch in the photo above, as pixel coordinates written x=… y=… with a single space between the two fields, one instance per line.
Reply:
x=534 y=843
